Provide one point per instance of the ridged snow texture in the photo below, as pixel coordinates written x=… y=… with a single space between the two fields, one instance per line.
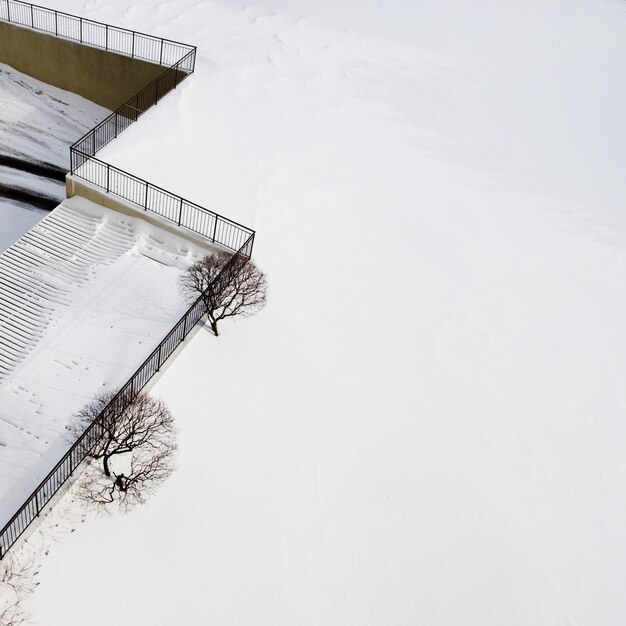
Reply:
x=38 y=270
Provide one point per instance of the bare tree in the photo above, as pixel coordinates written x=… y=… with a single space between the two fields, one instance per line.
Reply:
x=227 y=291
x=16 y=583
x=136 y=445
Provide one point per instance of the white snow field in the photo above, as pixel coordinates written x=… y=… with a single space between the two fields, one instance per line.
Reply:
x=38 y=123
x=17 y=218
x=427 y=423
x=85 y=296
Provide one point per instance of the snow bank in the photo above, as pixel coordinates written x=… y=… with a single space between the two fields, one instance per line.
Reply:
x=39 y=122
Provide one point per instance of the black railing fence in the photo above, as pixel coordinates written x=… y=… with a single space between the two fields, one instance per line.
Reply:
x=49 y=486
x=181 y=61
x=184 y=213
x=110 y=127
x=105 y=36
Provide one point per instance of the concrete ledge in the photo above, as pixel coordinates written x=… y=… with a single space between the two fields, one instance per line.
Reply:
x=104 y=77
x=75 y=186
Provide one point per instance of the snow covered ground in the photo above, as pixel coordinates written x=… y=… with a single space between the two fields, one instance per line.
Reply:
x=426 y=425
x=85 y=296
x=17 y=218
x=38 y=123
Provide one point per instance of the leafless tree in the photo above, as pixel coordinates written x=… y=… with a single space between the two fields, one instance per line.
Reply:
x=17 y=581
x=227 y=290
x=136 y=446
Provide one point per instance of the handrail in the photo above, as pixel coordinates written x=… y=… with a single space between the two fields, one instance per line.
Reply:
x=174 y=208
x=161 y=86
x=184 y=213
x=89 y=32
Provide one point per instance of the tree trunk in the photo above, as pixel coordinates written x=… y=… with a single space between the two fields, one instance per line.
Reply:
x=105 y=463
x=214 y=327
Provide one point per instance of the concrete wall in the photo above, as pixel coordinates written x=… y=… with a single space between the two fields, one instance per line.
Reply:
x=106 y=78
x=75 y=186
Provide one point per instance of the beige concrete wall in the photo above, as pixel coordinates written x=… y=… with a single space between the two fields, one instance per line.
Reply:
x=75 y=186
x=106 y=78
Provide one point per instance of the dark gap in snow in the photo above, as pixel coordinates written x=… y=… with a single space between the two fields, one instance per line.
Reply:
x=28 y=197
x=45 y=170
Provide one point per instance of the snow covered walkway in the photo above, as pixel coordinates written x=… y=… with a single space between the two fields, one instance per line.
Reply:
x=84 y=297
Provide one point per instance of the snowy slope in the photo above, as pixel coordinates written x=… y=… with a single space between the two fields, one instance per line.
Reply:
x=426 y=425
x=38 y=123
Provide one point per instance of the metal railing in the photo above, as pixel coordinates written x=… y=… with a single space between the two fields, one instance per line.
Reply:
x=110 y=38
x=149 y=197
x=84 y=165
x=81 y=448
x=110 y=127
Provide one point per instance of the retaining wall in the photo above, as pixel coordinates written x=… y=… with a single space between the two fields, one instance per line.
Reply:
x=104 y=77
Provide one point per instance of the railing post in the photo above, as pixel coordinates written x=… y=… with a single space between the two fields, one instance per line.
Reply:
x=56 y=24
x=108 y=170
x=180 y=212
x=93 y=143
x=214 y=229
x=133 y=51
x=145 y=200
x=8 y=11
x=106 y=36
x=32 y=17
x=161 y=54
x=116 y=114
x=159 y=357
x=81 y=29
